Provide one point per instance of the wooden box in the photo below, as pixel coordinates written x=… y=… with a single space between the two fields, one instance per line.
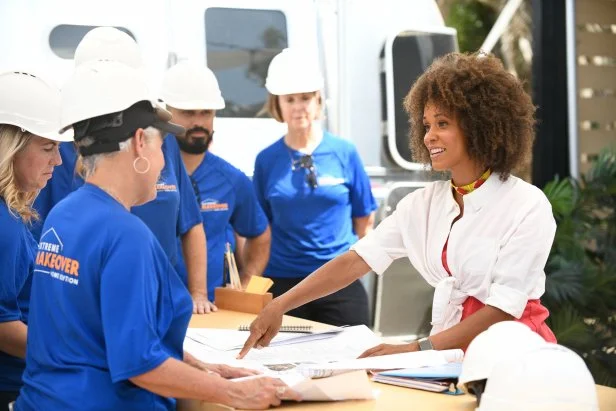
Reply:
x=236 y=300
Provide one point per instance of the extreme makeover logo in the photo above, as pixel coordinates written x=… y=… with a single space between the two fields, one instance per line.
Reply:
x=50 y=261
x=211 y=204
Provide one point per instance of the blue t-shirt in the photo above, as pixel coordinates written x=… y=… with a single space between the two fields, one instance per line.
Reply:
x=170 y=215
x=17 y=249
x=226 y=198
x=311 y=226
x=174 y=211
x=106 y=306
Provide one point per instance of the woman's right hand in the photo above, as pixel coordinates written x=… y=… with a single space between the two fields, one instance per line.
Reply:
x=259 y=393
x=263 y=328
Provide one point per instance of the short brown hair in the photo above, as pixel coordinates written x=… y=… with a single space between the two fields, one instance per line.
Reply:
x=272 y=105
x=494 y=112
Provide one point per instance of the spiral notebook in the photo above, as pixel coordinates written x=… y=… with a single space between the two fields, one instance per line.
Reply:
x=441 y=378
x=305 y=329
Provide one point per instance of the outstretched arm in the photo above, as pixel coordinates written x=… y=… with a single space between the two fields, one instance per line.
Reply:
x=336 y=274
x=458 y=336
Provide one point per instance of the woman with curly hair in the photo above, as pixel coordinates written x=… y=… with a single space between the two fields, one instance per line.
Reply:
x=29 y=120
x=481 y=238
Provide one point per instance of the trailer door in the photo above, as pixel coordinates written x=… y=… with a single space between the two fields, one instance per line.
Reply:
x=406 y=55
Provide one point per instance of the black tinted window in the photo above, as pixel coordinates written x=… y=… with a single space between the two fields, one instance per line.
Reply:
x=412 y=53
x=240 y=45
x=64 y=38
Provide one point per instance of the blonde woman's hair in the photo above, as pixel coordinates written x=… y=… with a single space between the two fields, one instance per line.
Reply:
x=12 y=141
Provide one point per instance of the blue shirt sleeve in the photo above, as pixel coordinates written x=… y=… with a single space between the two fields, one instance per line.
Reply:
x=128 y=296
x=259 y=183
x=247 y=219
x=362 y=200
x=189 y=215
x=9 y=307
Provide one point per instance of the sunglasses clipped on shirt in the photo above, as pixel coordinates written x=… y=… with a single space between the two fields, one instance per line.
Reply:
x=195 y=187
x=306 y=162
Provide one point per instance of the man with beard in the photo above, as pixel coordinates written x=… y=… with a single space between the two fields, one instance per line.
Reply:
x=225 y=194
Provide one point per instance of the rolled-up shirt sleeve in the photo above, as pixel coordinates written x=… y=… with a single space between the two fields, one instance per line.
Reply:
x=519 y=274
x=380 y=247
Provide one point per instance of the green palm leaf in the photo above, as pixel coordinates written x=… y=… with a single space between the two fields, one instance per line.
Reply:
x=565 y=281
x=562 y=197
x=581 y=270
x=570 y=329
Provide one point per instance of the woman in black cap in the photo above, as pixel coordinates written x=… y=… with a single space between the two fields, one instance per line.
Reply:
x=109 y=314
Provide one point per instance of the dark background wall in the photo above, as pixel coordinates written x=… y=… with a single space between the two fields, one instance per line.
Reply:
x=549 y=87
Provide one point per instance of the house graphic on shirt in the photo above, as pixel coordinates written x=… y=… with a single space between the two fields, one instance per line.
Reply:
x=50 y=259
x=49 y=239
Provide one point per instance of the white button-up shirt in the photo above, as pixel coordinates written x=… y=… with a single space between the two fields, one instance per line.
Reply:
x=496 y=252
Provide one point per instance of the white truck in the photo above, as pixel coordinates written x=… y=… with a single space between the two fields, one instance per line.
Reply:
x=370 y=53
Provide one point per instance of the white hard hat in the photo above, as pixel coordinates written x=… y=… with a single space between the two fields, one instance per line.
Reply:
x=550 y=377
x=104 y=87
x=29 y=102
x=191 y=86
x=108 y=43
x=292 y=72
x=497 y=342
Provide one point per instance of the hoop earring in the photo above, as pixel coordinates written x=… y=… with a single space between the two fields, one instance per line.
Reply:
x=147 y=168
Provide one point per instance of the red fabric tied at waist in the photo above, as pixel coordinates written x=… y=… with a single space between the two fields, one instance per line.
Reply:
x=534 y=316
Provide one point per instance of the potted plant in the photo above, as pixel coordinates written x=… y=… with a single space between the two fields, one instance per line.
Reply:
x=581 y=269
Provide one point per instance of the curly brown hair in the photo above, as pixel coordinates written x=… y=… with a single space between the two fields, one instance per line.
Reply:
x=494 y=112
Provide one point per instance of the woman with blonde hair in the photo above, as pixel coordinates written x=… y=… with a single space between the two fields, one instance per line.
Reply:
x=29 y=119
x=109 y=313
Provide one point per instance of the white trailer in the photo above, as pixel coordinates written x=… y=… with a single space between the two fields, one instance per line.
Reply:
x=370 y=53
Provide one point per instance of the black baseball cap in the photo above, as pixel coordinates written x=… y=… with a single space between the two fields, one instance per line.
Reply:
x=109 y=130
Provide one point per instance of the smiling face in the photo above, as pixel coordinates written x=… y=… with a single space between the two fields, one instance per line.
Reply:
x=34 y=164
x=447 y=144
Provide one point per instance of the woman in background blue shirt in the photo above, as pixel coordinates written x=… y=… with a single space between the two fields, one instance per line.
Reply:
x=314 y=190
x=29 y=121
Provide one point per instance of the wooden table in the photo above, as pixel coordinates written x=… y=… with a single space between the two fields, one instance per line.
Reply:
x=390 y=398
